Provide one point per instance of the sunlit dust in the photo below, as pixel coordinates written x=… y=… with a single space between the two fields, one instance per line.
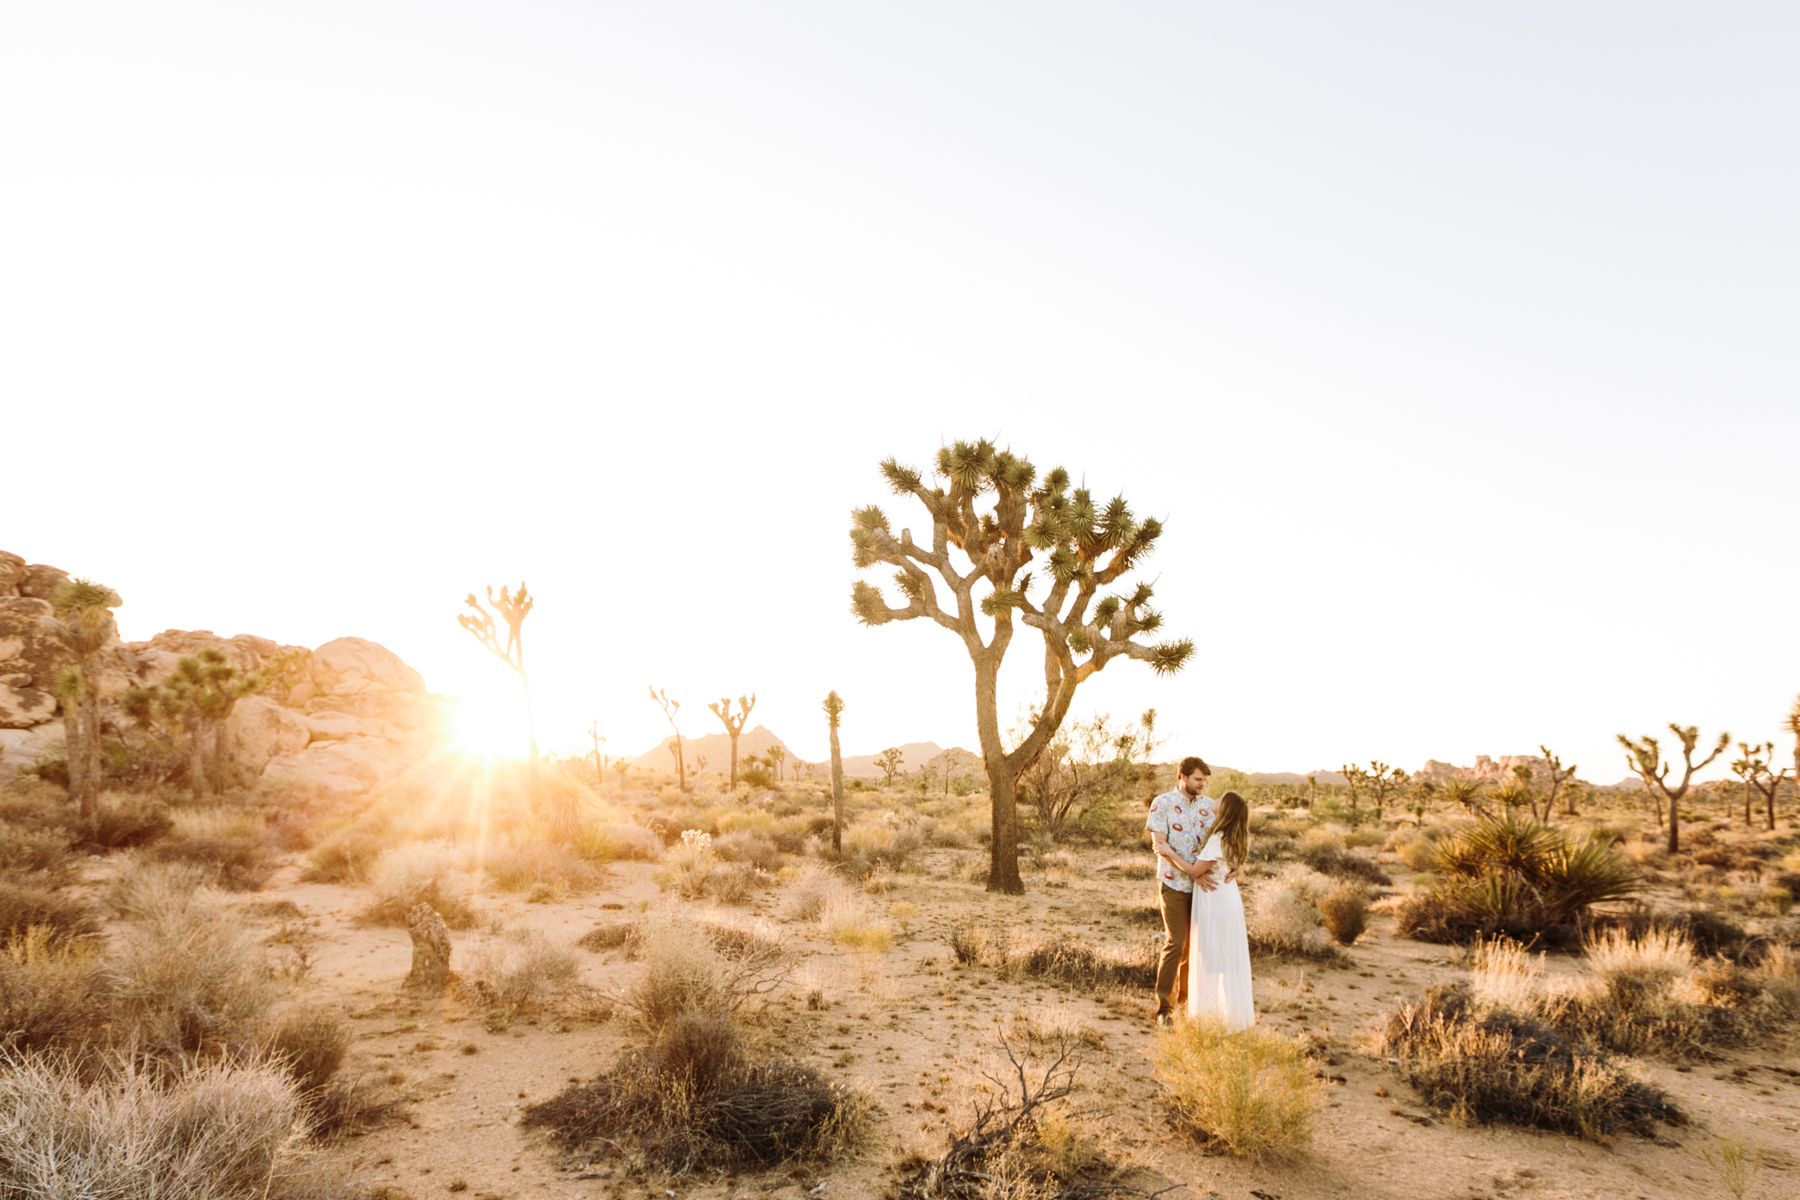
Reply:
x=490 y=725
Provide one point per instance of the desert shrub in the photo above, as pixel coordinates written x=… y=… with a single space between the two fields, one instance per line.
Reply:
x=523 y=866
x=1777 y=975
x=43 y=852
x=1328 y=854
x=1517 y=878
x=846 y=921
x=348 y=856
x=434 y=873
x=1345 y=911
x=520 y=968
x=748 y=846
x=53 y=996
x=309 y=1043
x=1485 y=1065
x=697 y=1099
x=611 y=935
x=1250 y=1093
x=191 y=981
x=1283 y=915
x=229 y=843
x=63 y=918
x=688 y=865
x=1647 y=962
x=1058 y=958
x=220 y=1131
x=130 y=824
x=628 y=841
x=738 y=938
x=883 y=841
x=685 y=972
x=733 y=882
x=1136 y=866
x=141 y=890
x=1420 y=854
x=810 y=888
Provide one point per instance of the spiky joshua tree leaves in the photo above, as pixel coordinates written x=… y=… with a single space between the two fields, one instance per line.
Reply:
x=733 y=726
x=1644 y=757
x=989 y=521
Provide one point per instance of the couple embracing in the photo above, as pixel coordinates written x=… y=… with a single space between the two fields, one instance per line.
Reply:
x=1200 y=848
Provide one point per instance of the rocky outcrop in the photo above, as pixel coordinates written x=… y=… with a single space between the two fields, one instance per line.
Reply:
x=1485 y=770
x=343 y=716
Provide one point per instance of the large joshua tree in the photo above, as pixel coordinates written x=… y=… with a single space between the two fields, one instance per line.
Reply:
x=979 y=551
x=85 y=610
x=834 y=715
x=1644 y=757
x=670 y=709
x=480 y=623
x=734 y=726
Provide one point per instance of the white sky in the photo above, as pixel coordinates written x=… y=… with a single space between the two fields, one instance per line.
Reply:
x=1454 y=344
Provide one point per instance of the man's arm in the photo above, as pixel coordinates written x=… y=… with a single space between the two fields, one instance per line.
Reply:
x=1200 y=872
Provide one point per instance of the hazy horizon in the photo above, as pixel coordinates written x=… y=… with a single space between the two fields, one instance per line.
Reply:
x=1453 y=347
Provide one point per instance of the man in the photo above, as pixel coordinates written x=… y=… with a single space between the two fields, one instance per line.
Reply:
x=1177 y=826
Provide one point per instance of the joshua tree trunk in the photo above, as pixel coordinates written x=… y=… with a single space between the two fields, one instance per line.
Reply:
x=197 y=759
x=73 y=750
x=219 y=756
x=837 y=794
x=90 y=754
x=1003 y=848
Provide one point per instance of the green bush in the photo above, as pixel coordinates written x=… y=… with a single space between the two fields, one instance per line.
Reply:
x=1516 y=878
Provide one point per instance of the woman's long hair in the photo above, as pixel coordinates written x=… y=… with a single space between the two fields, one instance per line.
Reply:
x=1233 y=828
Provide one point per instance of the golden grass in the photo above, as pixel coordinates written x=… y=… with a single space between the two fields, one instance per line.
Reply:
x=1250 y=1094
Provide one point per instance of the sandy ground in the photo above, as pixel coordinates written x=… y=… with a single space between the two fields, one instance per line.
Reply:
x=913 y=1029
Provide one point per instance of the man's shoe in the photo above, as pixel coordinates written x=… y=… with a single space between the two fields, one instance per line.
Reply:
x=1165 y=1020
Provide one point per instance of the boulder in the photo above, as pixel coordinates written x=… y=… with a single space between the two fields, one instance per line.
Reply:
x=21 y=748
x=32 y=642
x=330 y=726
x=353 y=666
x=41 y=581
x=12 y=573
x=24 y=707
x=349 y=765
x=259 y=730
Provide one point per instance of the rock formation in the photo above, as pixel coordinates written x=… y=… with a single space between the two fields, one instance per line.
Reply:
x=344 y=716
x=1487 y=770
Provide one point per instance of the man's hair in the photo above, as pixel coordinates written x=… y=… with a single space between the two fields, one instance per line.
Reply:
x=1193 y=763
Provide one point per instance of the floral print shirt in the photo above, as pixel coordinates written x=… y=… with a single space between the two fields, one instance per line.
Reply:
x=1183 y=823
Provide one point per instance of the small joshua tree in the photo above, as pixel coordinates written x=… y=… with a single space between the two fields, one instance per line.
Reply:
x=1753 y=770
x=199 y=697
x=1644 y=757
x=776 y=755
x=1355 y=779
x=889 y=763
x=834 y=711
x=1559 y=776
x=722 y=710
x=981 y=557
x=1384 y=781
x=670 y=708
x=85 y=610
x=599 y=763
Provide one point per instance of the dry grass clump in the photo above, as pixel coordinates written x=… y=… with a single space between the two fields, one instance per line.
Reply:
x=53 y=995
x=811 y=887
x=610 y=935
x=539 y=866
x=1250 y=1094
x=141 y=890
x=63 y=918
x=434 y=873
x=228 y=842
x=847 y=921
x=347 y=856
x=696 y=1098
x=520 y=969
x=1483 y=1064
x=686 y=972
x=689 y=865
x=41 y=852
x=1054 y=957
x=749 y=846
x=1329 y=853
x=220 y=1131
x=1345 y=911
x=190 y=981
x=1137 y=866
x=1283 y=913
x=1513 y=877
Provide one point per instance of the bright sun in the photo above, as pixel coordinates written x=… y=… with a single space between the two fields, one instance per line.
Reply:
x=489 y=725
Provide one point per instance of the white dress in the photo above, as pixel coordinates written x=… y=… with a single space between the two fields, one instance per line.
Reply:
x=1219 y=950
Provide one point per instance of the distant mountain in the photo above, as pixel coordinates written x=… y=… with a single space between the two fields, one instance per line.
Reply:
x=715 y=748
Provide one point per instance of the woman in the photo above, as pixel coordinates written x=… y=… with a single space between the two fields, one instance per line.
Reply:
x=1218 y=940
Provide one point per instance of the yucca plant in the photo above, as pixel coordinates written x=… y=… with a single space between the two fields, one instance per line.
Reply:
x=980 y=557
x=1506 y=875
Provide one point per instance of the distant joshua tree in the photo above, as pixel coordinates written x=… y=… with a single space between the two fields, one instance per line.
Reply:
x=1355 y=779
x=1384 y=781
x=1753 y=770
x=722 y=710
x=1559 y=776
x=1644 y=757
x=599 y=762
x=85 y=610
x=889 y=762
x=775 y=755
x=670 y=708
x=834 y=712
x=1083 y=547
x=480 y=624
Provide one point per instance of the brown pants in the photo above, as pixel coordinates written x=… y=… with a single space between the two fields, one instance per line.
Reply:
x=1171 y=967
